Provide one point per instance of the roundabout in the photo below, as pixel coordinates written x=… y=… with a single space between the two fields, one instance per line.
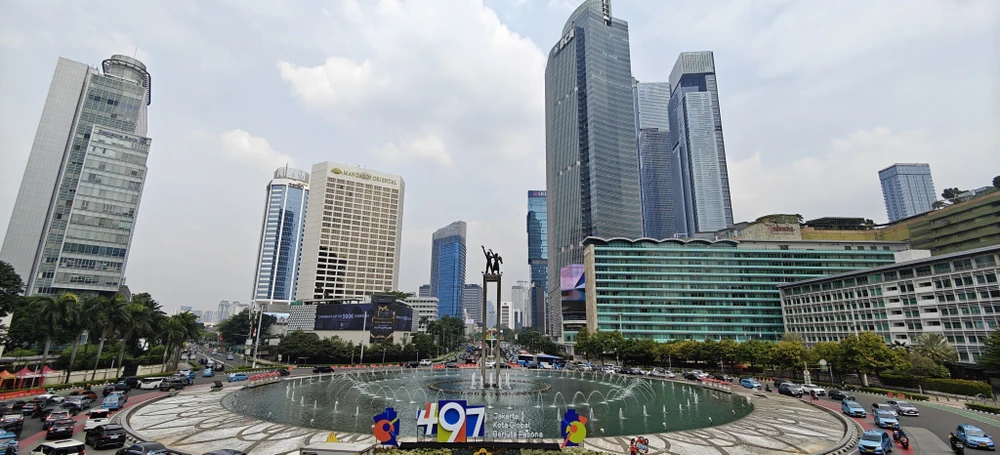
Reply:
x=198 y=420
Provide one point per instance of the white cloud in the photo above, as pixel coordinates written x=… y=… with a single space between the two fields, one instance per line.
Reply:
x=241 y=146
x=842 y=181
x=337 y=83
x=429 y=148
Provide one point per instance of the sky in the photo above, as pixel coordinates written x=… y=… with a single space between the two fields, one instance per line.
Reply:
x=816 y=98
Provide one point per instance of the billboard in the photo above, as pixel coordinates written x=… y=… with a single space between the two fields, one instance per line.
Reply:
x=383 y=319
x=574 y=302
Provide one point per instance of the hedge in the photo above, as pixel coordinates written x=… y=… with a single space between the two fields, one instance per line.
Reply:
x=879 y=391
x=983 y=407
x=955 y=386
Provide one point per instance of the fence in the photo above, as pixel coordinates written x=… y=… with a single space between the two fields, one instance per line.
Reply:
x=106 y=374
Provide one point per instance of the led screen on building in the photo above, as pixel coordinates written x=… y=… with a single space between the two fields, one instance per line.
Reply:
x=383 y=319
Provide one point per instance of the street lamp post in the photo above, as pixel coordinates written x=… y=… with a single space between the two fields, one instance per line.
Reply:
x=364 y=323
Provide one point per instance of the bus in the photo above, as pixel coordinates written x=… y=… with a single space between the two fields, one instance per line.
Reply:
x=542 y=361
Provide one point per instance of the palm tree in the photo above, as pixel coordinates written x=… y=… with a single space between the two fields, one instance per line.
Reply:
x=78 y=320
x=142 y=318
x=53 y=312
x=173 y=332
x=935 y=347
x=110 y=314
x=188 y=323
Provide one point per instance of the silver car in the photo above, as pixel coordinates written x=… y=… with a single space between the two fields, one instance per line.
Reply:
x=903 y=408
x=876 y=407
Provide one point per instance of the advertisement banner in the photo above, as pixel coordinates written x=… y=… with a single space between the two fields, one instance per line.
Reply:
x=382 y=319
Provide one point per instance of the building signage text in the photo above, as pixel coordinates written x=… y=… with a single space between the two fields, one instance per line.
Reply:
x=363 y=176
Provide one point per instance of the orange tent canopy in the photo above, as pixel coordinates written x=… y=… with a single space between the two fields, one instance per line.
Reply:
x=6 y=375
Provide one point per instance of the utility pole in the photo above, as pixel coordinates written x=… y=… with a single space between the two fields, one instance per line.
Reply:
x=364 y=326
x=260 y=322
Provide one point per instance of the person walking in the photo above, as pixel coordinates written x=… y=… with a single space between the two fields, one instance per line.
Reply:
x=633 y=448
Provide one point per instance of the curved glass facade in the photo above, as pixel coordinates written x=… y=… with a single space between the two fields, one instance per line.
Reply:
x=281 y=237
x=538 y=255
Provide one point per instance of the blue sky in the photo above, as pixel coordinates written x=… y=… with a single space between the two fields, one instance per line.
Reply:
x=816 y=97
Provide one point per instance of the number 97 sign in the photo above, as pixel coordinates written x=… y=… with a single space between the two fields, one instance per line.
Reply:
x=452 y=420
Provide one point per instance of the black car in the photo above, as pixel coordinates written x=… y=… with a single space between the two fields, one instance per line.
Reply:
x=174 y=383
x=283 y=371
x=109 y=435
x=28 y=408
x=779 y=381
x=119 y=387
x=225 y=452
x=41 y=412
x=413 y=364
x=13 y=423
x=132 y=381
x=691 y=377
x=322 y=369
x=14 y=406
x=141 y=448
x=75 y=406
x=840 y=395
x=790 y=389
x=60 y=429
x=722 y=377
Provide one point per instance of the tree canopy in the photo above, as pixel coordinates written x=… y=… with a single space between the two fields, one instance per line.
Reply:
x=238 y=327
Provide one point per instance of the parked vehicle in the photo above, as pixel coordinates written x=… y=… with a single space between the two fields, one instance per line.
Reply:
x=109 y=435
x=61 y=447
x=60 y=429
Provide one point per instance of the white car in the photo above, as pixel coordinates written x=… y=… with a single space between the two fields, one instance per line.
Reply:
x=51 y=397
x=425 y=362
x=806 y=388
x=150 y=383
x=669 y=374
x=95 y=418
x=491 y=364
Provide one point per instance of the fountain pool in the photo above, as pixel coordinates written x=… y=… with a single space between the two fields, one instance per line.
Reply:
x=615 y=404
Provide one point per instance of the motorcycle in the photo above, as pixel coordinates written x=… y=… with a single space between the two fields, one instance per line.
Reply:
x=901 y=439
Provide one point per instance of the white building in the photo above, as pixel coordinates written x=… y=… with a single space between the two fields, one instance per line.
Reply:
x=506 y=314
x=74 y=216
x=520 y=295
x=425 y=307
x=351 y=244
x=281 y=240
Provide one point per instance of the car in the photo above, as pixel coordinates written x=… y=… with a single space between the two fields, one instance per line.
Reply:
x=426 y=362
x=722 y=377
x=207 y=372
x=229 y=357
x=121 y=387
x=108 y=435
x=451 y=365
x=322 y=369
x=114 y=402
x=96 y=418
x=173 y=383
x=60 y=429
x=42 y=411
x=61 y=447
x=236 y=377
x=504 y=365
x=132 y=381
x=28 y=408
x=840 y=395
x=973 y=436
x=12 y=423
x=151 y=383
x=692 y=376
x=9 y=406
x=903 y=408
x=412 y=364
x=77 y=403
x=51 y=398
x=225 y=452
x=882 y=407
x=8 y=439
x=491 y=363
x=142 y=448
x=852 y=408
x=750 y=383
x=779 y=381
x=875 y=442
x=283 y=371
x=190 y=374
x=790 y=389
x=885 y=419
x=90 y=394
x=808 y=388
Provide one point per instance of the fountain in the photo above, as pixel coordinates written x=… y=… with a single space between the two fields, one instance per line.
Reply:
x=541 y=396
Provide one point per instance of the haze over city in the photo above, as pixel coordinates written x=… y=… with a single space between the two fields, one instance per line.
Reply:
x=815 y=97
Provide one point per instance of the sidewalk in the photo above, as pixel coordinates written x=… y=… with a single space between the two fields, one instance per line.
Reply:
x=924 y=442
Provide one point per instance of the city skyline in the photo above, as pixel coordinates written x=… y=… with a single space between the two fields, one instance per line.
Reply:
x=216 y=154
x=448 y=256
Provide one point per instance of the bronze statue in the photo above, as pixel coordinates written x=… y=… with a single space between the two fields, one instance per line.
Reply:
x=493 y=261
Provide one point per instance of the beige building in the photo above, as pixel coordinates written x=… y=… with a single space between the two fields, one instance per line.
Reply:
x=350 y=248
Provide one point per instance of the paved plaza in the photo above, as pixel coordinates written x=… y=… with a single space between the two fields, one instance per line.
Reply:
x=195 y=421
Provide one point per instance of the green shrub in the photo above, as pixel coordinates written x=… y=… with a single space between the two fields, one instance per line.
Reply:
x=876 y=390
x=983 y=407
x=955 y=386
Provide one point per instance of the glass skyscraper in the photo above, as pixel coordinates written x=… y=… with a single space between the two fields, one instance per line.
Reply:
x=75 y=213
x=448 y=268
x=538 y=256
x=907 y=189
x=472 y=301
x=592 y=168
x=281 y=237
x=653 y=134
x=699 y=174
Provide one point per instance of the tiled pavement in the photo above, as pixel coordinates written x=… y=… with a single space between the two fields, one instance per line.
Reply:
x=195 y=421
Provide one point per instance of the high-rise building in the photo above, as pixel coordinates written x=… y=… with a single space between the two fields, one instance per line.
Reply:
x=506 y=314
x=472 y=301
x=520 y=297
x=424 y=290
x=538 y=256
x=185 y=309
x=653 y=136
x=73 y=220
x=208 y=317
x=426 y=311
x=350 y=248
x=236 y=307
x=699 y=173
x=281 y=239
x=223 y=312
x=907 y=189
x=592 y=169
x=448 y=268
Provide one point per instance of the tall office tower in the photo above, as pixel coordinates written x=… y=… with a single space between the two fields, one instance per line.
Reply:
x=209 y=317
x=907 y=189
x=448 y=268
x=350 y=248
x=236 y=307
x=592 y=169
x=491 y=314
x=185 y=309
x=653 y=136
x=506 y=315
x=75 y=212
x=699 y=174
x=472 y=301
x=424 y=291
x=281 y=239
x=520 y=297
x=538 y=256
x=223 y=312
